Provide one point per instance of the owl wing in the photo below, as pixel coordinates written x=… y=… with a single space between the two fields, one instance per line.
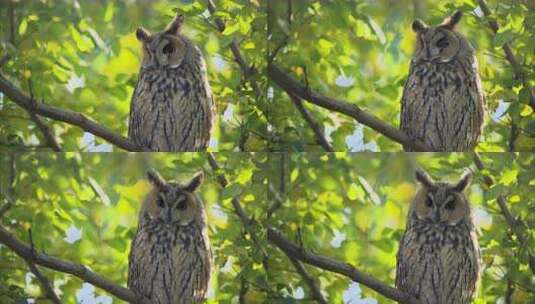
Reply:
x=194 y=104
x=460 y=266
x=407 y=259
x=465 y=111
x=139 y=268
x=192 y=267
x=142 y=120
x=409 y=115
x=417 y=269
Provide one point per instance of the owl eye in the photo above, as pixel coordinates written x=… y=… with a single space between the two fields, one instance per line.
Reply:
x=182 y=205
x=160 y=202
x=450 y=205
x=168 y=49
x=442 y=43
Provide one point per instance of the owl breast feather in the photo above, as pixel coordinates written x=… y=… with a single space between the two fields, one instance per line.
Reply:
x=443 y=105
x=170 y=264
x=172 y=109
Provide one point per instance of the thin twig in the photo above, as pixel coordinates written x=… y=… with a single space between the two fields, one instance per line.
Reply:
x=515 y=224
x=309 y=280
x=4 y=59
x=12 y=26
x=247 y=221
x=278 y=197
x=517 y=68
x=48 y=290
x=509 y=292
x=50 y=139
x=312 y=123
x=46 y=131
x=243 y=291
x=278 y=201
x=248 y=71
x=10 y=188
x=45 y=284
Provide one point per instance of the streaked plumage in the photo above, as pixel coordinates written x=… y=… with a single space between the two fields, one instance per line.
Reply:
x=443 y=100
x=172 y=107
x=170 y=258
x=438 y=260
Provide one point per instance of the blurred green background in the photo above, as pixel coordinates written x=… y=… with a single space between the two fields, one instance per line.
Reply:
x=349 y=206
x=84 y=56
x=360 y=51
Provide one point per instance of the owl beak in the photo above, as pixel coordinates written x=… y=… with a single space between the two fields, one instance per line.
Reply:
x=436 y=216
x=168 y=216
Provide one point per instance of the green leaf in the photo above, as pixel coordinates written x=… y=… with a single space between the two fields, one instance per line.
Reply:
x=23 y=26
x=230 y=191
x=503 y=37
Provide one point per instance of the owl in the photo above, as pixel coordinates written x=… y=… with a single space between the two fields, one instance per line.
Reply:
x=438 y=260
x=172 y=107
x=443 y=103
x=170 y=258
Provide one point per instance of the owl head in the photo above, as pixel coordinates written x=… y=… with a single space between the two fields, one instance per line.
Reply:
x=440 y=44
x=167 y=49
x=172 y=203
x=441 y=203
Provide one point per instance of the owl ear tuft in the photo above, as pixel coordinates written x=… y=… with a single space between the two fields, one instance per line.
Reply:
x=142 y=34
x=419 y=26
x=174 y=27
x=451 y=21
x=424 y=179
x=156 y=179
x=463 y=183
x=195 y=182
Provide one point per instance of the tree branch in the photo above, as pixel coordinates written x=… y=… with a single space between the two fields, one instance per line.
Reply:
x=11 y=13
x=294 y=88
x=517 y=68
x=278 y=201
x=513 y=223
x=247 y=70
x=289 y=249
x=45 y=130
x=4 y=59
x=314 y=125
x=45 y=284
x=10 y=189
x=294 y=252
x=309 y=280
x=509 y=292
x=77 y=270
x=344 y=269
x=248 y=222
x=48 y=290
x=68 y=116
x=47 y=133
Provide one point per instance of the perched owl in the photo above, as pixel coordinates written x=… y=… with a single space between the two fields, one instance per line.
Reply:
x=443 y=103
x=172 y=107
x=438 y=260
x=170 y=259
